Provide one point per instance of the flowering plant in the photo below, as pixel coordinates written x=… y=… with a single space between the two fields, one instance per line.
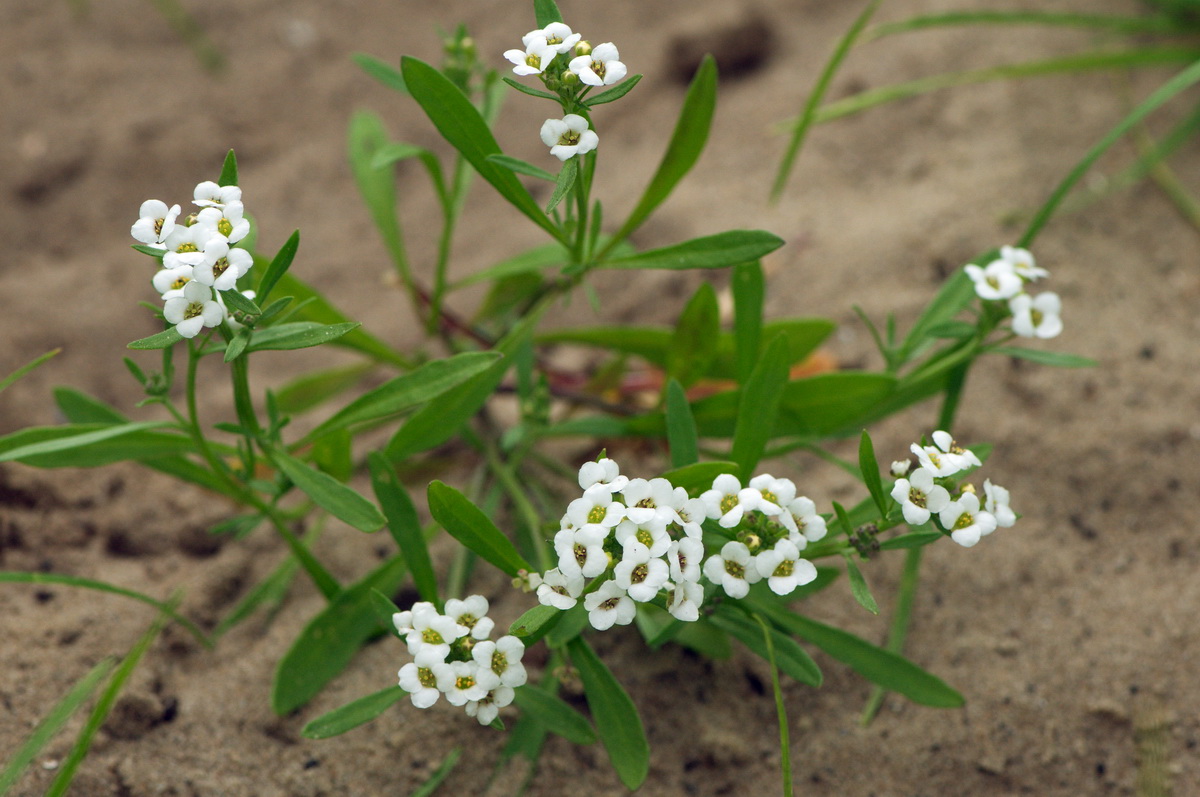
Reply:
x=699 y=549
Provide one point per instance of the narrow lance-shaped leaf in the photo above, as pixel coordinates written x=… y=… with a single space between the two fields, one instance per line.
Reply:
x=789 y=656
x=351 y=715
x=617 y=721
x=748 y=290
x=535 y=623
x=615 y=93
x=681 y=427
x=555 y=714
x=870 y=473
x=469 y=525
x=859 y=588
x=161 y=340
x=759 y=405
x=522 y=167
x=722 y=250
x=366 y=137
x=564 y=182
x=298 y=335
x=330 y=640
x=545 y=12
x=331 y=495
x=24 y=369
x=278 y=267
x=382 y=71
x=404 y=525
x=687 y=142
x=229 y=170
x=694 y=344
x=1054 y=359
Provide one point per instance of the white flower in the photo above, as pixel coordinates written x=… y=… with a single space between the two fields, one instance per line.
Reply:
x=557 y=36
x=209 y=194
x=965 y=522
x=727 y=501
x=193 y=310
x=963 y=457
x=227 y=221
x=595 y=508
x=733 y=569
x=919 y=497
x=1036 y=317
x=934 y=460
x=652 y=534
x=609 y=606
x=404 y=620
x=692 y=513
x=561 y=592
x=650 y=500
x=169 y=282
x=433 y=631
x=534 y=59
x=185 y=245
x=488 y=707
x=997 y=504
x=472 y=613
x=783 y=568
x=900 y=467
x=459 y=681
x=1022 y=262
x=500 y=662
x=776 y=494
x=604 y=472
x=684 y=556
x=581 y=552
x=601 y=68
x=684 y=601
x=418 y=679
x=220 y=266
x=809 y=524
x=569 y=136
x=640 y=574
x=997 y=281
x=156 y=221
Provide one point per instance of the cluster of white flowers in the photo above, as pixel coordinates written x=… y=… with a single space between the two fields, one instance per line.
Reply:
x=1004 y=280
x=453 y=656
x=931 y=492
x=650 y=543
x=199 y=256
x=571 y=68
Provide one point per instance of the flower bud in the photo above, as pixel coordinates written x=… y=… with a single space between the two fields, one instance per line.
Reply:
x=570 y=79
x=968 y=488
x=583 y=48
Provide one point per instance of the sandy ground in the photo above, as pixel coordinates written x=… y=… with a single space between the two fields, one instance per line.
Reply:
x=1072 y=636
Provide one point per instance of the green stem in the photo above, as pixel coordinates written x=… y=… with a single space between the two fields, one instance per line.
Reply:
x=516 y=493
x=785 y=748
x=905 y=596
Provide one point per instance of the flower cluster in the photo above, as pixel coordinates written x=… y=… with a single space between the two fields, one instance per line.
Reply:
x=570 y=68
x=643 y=541
x=1004 y=280
x=453 y=656
x=198 y=254
x=932 y=492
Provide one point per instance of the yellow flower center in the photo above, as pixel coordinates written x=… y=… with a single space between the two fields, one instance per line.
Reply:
x=499 y=662
x=426 y=678
x=728 y=503
x=194 y=309
x=785 y=569
x=225 y=226
x=734 y=569
x=431 y=637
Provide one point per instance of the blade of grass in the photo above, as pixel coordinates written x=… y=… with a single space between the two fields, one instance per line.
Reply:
x=809 y=115
x=26 y=368
x=1117 y=24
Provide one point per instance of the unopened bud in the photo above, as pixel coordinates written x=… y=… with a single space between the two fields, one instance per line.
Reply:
x=190 y=220
x=583 y=48
x=467 y=45
x=900 y=467
x=968 y=488
x=570 y=79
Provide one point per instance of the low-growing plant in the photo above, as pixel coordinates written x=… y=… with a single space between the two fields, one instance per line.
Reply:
x=693 y=546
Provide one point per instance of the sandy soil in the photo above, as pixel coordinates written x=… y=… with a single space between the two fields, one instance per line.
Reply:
x=1072 y=636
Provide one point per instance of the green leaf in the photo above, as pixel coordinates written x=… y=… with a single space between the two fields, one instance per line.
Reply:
x=535 y=260
x=317 y=387
x=229 y=170
x=789 y=656
x=298 y=335
x=681 y=427
x=694 y=342
x=748 y=288
x=954 y=330
x=1121 y=24
x=461 y=125
x=954 y=295
x=365 y=138
x=404 y=525
x=724 y=249
x=237 y=345
x=385 y=611
x=149 y=250
x=616 y=717
x=699 y=476
x=53 y=722
x=317 y=308
x=235 y=300
x=79 y=407
x=168 y=337
x=615 y=93
x=545 y=12
x=859 y=588
x=408 y=390
x=535 y=623
x=470 y=526
x=431 y=785
x=532 y=92
x=573 y=623
x=89 y=445
x=438 y=421
x=382 y=71
x=555 y=714
x=1052 y=358
x=26 y=368
x=522 y=167
x=916 y=539
x=759 y=406
x=891 y=671
x=870 y=472
x=563 y=183
x=353 y=714
x=331 y=495
x=687 y=142
x=12 y=577
x=330 y=640
x=278 y=267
